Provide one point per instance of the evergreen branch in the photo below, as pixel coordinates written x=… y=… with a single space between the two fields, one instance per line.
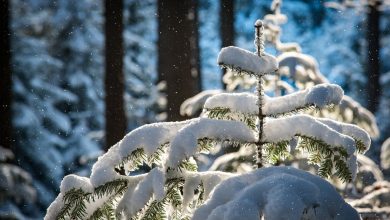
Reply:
x=237 y=70
x=135 y=159
x=325 y=169
x=310 y=107
x=157 y=155
x=226 y=114
x=74 y=199
x=156 y=210
x=201 y=198
x=188 y=165
x=361 y=148
x=174 y=188
x=107 y=211
x=113 y=187
x=322 y=154
x=218 y=113
x=205 y=145
x=342 y=170
x=79 y=210
x=276 y=152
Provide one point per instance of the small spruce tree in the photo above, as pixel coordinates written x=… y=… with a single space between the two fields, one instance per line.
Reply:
x=162 y=180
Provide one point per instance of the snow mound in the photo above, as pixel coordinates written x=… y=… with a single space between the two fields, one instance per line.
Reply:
x=275 y=193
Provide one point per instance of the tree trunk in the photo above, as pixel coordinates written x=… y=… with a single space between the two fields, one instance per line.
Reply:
x=178 y=56
x=114 y=77
x=5 y=77
x=373 y=64
x=226 y=15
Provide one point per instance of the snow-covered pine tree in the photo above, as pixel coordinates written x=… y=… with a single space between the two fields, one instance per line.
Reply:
x=175 y=189
x=16 y=191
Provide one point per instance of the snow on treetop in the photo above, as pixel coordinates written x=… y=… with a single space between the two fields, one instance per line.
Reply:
x=238 y=102
x=246 y=61
x=259 y=23
x=275 y=193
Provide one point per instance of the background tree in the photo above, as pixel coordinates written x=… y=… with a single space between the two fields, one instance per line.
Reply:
x=178 y=62
x=5 y=77
x=226 y=15
x=373 y=51
x=114 y=77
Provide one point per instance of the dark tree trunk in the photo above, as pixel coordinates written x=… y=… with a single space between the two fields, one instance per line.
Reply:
x=5 y=77
x=178 y=55
x=226 y=15
x=114 y=77
x=373 y=63
x=194 y=43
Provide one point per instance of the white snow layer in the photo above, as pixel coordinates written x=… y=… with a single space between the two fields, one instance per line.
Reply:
x=55 y=207
x=149 y=137
x=247 y=61
x=348 y=129
x=69 y=182
x=319 y=95
x=276 y=193
x=185 y=142
x=237 y=102
x=75 y=182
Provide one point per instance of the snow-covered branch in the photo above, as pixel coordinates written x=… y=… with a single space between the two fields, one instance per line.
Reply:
x=310 y=72
x=318 y=96
x=185 y=142
x=281 y=129
x=148 y=137
x=351 y=130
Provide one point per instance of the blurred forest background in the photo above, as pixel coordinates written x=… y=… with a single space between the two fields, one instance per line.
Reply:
x=77 y=75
